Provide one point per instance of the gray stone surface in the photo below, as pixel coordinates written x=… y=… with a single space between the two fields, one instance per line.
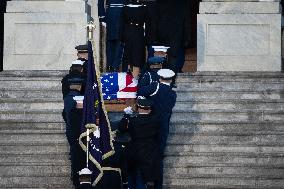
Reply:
x=239 y=42
x=218 y=138
x=78 y=7
x=43 y=40
x=239 y=8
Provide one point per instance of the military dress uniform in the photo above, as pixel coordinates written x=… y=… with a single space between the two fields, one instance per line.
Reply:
x=164 y=99
x=133 y=19
x=114 y=47
x=78 y=156
x=150 y=75
x=143 y=150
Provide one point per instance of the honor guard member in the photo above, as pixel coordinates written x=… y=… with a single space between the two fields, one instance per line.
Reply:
x=115 y=166
x=76 y=70
x=164 y=99
x=150 y=74
x=143 y=150
x=85 y=179
x=77 y=154
x=82 y=54
x=75 y=84
x=114 y=46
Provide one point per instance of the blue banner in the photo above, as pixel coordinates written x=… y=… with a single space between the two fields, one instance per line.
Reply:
x=95 y=117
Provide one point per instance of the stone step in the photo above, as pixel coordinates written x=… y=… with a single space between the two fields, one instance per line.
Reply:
x=56 y=85
x=197 y=105
x=216 y=160
x=35 y=171
x=184 y=150
x=32 y=138
x=22 y=149
x=221 y=116
x=34 y=85
x=28 y=94
x=209 y=74
x=175 y=128
x=230 y=95
x=224 y=172
x=174 y=139
x=208 y=116
x=32 y=73
x=237 y=183
x=200 y=139
x=32 y=105
x=183 y=95
x=212 y=74
x=250 y=128
x=231 y=105
x=194 y=159
x=56 y=182
x=218 y=78
x=18 y=126
x=35 y=159
x=225 y=86
x=204 y=129
x=50 y=116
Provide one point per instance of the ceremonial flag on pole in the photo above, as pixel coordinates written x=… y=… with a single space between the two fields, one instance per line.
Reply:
x=118 y=86
x=94 y=114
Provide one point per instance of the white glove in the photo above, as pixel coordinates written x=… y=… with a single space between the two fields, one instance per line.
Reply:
x=104 y=24
x=128 y=110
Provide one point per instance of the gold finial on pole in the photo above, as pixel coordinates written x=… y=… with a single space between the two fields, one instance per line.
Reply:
x=90 y=29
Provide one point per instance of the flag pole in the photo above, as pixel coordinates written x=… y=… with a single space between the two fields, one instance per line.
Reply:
x=90 y=30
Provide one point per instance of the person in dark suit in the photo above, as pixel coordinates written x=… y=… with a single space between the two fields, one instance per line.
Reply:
x=114 y=47
x=171 y=21
x=164 y=99
x=143 y=149
x=134 y=16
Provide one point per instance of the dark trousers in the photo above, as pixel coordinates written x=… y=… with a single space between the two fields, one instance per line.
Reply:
x=164 y=133
x=77 y=162
x=135 y=181
x=114 y=51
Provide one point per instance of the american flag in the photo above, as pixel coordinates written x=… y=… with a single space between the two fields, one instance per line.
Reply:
x=118 y=86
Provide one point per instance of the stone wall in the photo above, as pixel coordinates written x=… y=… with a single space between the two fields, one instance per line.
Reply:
x=236 y=35
x=41 y=35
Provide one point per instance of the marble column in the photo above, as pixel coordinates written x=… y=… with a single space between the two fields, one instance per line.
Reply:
x=238 y=35
x=41 y=35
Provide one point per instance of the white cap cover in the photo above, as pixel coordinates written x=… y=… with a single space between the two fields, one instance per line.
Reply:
x=166 y=73
x=85 y=171
x=77 y=62
x=78 y=98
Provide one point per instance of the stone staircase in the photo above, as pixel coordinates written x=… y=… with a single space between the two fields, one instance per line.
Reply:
x=226 y=131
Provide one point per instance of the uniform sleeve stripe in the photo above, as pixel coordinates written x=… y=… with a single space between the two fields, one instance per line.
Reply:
x=157 y=89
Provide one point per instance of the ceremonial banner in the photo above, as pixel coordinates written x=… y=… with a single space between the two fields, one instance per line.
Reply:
x=118 y=86
x=94 y=115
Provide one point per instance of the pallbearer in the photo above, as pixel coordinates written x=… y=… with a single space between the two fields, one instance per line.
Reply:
x=154 y=63
x=164 y=99
x=143 y=156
